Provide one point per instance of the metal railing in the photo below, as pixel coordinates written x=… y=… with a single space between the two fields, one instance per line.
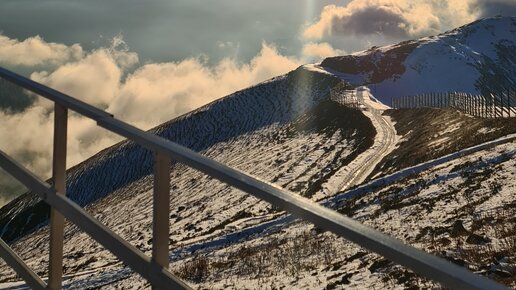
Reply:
x=155 y=269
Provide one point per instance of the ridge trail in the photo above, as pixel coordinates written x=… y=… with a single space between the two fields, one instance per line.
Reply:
x=384 y=142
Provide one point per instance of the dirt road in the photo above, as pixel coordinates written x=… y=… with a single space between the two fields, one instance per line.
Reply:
x=384 y=143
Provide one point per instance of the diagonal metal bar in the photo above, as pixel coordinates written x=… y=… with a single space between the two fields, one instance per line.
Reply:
x=419 y=261
x=20 y=267
x=126 y=252
x=56 y=96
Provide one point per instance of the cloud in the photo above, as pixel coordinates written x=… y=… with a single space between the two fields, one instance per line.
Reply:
x=158 y=92
x=146 y=96
x=34 y=51
x=485 y=8
x=27 y=136
x=394 y=18
x=320 y=50
x=9 y=188
x=95 y=78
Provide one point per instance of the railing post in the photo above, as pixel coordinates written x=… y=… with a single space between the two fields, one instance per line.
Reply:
x=484 y=100
x=55 y=267
x=476 y=106
x=495 y=111
x=508 y=104
x=161 y=201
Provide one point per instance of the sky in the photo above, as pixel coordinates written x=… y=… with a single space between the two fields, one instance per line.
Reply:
x=150 y=61
x=164 y=30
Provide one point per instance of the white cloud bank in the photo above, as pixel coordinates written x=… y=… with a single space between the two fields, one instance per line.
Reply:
x=147 y=96
x=318 y=51
x=156 y=93
x=402 y=18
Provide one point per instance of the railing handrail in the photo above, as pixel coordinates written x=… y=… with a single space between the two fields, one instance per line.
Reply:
x=12 y=259
x=65 y=100
x=128 y=253
x=419 y=261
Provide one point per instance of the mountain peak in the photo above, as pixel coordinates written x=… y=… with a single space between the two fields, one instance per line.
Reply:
x=474 y=58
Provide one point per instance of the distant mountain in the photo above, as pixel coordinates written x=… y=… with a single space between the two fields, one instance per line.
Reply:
x=477 y=57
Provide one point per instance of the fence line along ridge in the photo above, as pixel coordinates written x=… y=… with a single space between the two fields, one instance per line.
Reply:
x=491 y=105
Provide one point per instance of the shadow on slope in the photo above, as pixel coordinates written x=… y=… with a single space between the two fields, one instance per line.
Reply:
x=329 y=118
x=284 y=155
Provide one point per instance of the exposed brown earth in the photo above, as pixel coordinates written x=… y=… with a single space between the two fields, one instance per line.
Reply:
x=378 y=65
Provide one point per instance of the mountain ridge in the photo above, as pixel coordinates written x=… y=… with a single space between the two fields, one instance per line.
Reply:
x=289 y=131
x=474 y=58
x=185 y=130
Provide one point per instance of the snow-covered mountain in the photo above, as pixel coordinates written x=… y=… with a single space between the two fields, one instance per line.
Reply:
x=286 y=126
x=292 y=132
x=477 y=57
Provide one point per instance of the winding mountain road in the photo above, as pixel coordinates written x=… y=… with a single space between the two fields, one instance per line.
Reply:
x=384 y=142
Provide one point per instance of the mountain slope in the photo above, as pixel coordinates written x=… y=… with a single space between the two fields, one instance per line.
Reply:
x=288 y=126
x=438 y=132
x=462 y=210
x=291 y=132
x=288 y=131
x=478 y=57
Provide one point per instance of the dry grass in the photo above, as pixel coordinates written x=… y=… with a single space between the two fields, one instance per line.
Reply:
x=290 y=256
x=417 y=145
x=487 y=246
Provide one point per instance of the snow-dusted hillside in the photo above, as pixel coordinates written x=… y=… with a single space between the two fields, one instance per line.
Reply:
x=462 y=210
x=267 y=118
x=285 y=131
x=477 y=57
x=290 y=132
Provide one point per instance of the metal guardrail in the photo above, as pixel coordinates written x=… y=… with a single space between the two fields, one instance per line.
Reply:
x=155 y=269
x=130 y=255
